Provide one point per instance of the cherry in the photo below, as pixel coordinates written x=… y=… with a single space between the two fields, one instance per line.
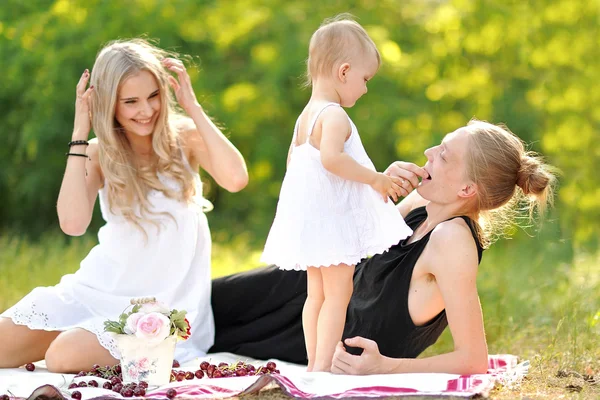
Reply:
x=115 y=380
x=30 y=367
x=143 y=384
x=4 y=397
x=139 y=391
x=107 y=385
x=199 y=374
x=223 y=364
x=93 y=383
x=117 y=388
x=73 y=385
x=176 y=364
x=204 y=365
x=241 y=372
x=127 y=392
x=217 y=374
x=171 y=393
x=82 y=384
x=189 y=375
x=271 y=366
x=76 y=395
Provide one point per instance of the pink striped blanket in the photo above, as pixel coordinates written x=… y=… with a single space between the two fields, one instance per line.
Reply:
x=293 y=380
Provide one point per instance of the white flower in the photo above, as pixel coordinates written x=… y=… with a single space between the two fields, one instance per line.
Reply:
x=155 y=307
x=131 y=323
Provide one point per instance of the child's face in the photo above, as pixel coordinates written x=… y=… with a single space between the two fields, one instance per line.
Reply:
x=138 y=104
x=354 y=78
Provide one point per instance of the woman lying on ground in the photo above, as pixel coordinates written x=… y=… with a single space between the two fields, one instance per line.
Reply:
x=473 y=183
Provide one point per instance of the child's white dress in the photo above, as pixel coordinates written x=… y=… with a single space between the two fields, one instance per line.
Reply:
x=324 y=220
x=173 y=265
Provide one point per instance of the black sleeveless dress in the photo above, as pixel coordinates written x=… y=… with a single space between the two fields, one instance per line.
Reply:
x=259 y=313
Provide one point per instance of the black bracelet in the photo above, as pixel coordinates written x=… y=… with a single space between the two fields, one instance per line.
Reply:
x=78 y=142
x=75 y=154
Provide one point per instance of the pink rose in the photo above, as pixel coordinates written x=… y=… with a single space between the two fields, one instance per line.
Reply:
x=154 y=327
x=143 y=364
x=133 y=372
x=131 y=323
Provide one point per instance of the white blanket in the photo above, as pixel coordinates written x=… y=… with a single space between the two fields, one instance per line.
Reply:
x=293 y=380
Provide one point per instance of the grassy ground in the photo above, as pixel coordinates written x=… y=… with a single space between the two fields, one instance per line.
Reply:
x=540 y=301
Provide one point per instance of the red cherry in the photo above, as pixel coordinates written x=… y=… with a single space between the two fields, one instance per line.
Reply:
x=271 y=366
x=30 y=367
x=204 y=365
x=139 y=391
x=217 y=374
x=76 y=395
x=127 y=393
x=171 y=393
x=189 y=375
x=176 y=364
x=107 y=385
x=199 y=374
x=4 y=397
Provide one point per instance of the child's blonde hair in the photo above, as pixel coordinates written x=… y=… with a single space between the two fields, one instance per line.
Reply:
x=127 y=184
x=334 y=43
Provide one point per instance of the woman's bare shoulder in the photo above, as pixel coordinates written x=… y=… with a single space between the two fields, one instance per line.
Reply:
x=452 y=243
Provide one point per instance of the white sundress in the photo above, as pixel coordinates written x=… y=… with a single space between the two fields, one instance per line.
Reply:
x=324 y=220
x=173 y=265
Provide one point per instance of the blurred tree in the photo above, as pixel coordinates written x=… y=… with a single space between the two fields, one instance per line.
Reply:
x=532 y=65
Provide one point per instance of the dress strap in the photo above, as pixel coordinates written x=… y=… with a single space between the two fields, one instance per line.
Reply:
x=314 y=120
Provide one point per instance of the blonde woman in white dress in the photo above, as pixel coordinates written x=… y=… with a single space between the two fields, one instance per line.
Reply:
x=334 y=207
x=143 y=166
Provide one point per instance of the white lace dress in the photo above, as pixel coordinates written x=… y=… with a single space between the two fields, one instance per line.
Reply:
x=173 y=265
x=324 y=220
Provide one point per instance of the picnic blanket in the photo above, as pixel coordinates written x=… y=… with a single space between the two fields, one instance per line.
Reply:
x=293 y=380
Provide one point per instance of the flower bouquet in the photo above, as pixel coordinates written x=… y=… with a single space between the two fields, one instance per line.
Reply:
x=146 y=334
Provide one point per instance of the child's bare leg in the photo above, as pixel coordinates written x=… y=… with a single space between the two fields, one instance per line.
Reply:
x=21 y=345
x=310 y=313
x=337 y=286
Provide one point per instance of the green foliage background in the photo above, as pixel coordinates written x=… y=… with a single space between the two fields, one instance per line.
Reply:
x=533 y=65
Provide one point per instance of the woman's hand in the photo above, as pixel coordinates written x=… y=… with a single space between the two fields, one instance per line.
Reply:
x=408 y=173
x=183 y=88
x=82 y=124
x=368 y=363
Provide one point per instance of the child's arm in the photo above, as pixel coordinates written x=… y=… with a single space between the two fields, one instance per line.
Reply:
x=210 y=148
x=335 y=128
x=83 y=176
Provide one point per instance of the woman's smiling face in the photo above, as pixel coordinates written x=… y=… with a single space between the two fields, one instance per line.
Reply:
x=138 y=104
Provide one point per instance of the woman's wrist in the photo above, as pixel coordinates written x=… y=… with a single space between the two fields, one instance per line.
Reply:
x=79 y=135
x=195 y=111
x=390 y=365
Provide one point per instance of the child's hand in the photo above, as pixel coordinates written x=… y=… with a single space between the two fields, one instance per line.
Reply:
x=387 y=186
x=183 y=88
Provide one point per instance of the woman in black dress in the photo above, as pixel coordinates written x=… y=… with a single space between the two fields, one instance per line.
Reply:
x=403 y=299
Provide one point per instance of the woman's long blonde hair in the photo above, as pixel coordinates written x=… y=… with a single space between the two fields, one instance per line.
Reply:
x=127 y=183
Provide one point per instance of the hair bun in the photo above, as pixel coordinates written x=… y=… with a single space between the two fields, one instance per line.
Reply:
x=532 y=177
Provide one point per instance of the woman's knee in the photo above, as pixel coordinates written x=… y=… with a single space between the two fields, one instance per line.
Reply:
x=25 y=344
x=57 y=357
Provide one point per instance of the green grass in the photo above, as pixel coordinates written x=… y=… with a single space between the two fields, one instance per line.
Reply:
x=540 y=300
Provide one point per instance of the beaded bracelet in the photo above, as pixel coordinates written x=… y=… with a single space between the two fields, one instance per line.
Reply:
x=78 y=142
x=75 y=154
